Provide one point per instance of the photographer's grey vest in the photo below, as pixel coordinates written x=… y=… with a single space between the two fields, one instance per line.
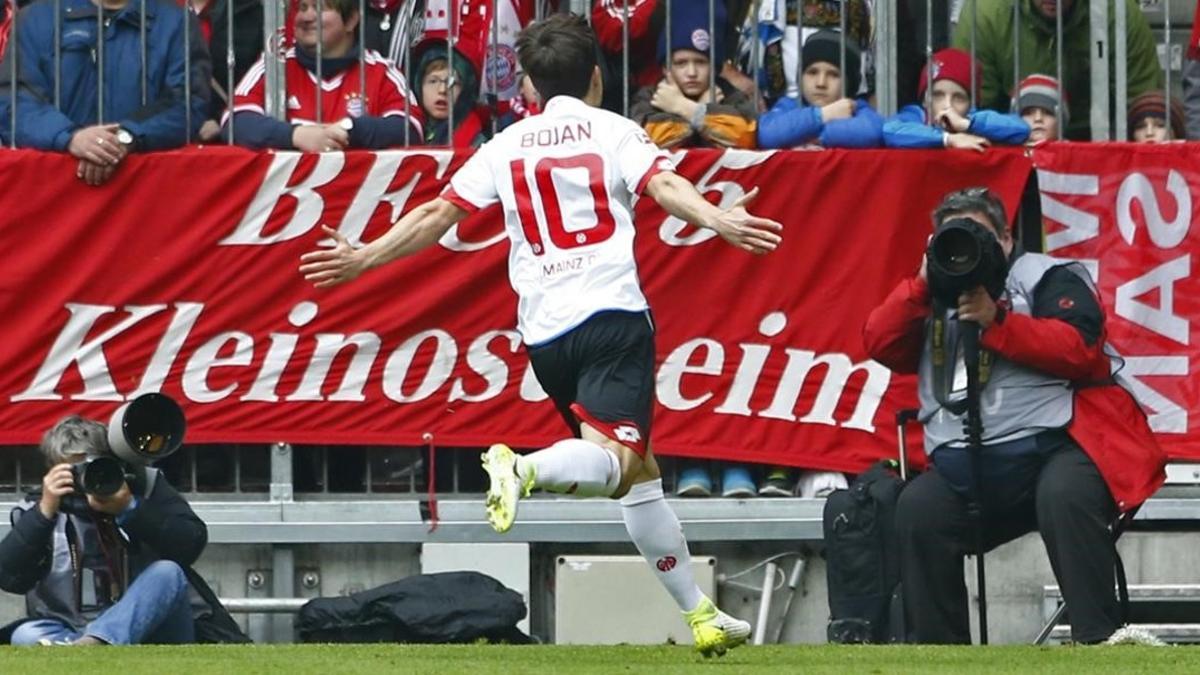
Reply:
x=68 y=591
x=1016 y=401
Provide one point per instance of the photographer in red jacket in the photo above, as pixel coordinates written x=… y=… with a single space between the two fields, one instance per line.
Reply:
x=1065 y=447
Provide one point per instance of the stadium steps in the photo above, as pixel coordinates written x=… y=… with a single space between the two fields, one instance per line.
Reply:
x=1171 y=633
x=1170 y=612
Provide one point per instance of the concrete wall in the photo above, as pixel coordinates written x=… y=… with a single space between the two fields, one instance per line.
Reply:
x=1016 y=574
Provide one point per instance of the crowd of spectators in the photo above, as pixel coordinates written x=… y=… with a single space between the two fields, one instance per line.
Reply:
x=785 y=78
x=800 y=74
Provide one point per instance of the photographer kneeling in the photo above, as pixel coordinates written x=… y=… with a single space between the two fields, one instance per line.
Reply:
x=101 y=569
x=1064 y=447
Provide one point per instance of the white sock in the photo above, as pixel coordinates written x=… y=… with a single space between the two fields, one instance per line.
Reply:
x=573 y=466
x=656 y=532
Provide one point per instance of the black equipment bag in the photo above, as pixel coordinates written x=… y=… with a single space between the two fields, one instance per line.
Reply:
x=449 y=607
x=861 y=558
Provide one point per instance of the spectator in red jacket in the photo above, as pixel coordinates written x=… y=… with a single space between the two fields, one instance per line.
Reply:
x=1066 y=451
x=340 y=114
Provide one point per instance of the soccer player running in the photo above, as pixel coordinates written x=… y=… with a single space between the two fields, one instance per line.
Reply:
x=567 y=179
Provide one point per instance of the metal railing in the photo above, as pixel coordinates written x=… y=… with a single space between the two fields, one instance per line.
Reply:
x=405 y=28
x=283 y=472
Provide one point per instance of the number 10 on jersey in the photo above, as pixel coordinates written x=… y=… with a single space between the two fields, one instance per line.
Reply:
x=577 y=195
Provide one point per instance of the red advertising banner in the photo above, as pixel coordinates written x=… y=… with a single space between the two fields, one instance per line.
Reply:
x=181 y=276
x=1126 y=211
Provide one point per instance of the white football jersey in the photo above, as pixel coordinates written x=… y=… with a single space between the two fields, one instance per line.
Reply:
x=566 y=179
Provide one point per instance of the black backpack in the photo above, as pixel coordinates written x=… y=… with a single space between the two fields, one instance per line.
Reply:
x=447 y=608
x=861 y=562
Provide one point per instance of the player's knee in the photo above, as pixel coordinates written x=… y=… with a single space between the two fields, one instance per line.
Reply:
x=635 y=469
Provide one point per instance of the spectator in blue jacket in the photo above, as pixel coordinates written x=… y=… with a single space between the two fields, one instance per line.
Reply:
x=132 y=120
x=827 y=115
x=949 y=121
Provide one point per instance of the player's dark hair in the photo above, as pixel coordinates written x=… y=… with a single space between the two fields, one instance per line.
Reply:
x=559 y=54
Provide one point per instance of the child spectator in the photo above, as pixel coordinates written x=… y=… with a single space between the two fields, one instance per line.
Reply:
x=827 y=115
x=949 y=121
x=680 y=110
x=783 y=25
x=1037 y=102
x=1148 y=119
x=440 y=92
x=1036 y=27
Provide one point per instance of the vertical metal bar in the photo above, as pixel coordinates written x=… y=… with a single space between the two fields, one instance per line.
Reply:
x=495 y=64
x=451 y=74
x=320 y=58
x=538 y=10
x=230 y=65
x=370 y=458
x=100 y=37
x=57 y=53
x=283 y=585
x=412 y=9
x=768 y=584
x=281 y=488
x=755 y=45
x=192 y=469
x=799 y=52
x=885 y=58
x=1099 y=58
x=274 y=74
x=1120 y=52
x=974 y=26
x=188 y=15
x=1017 y=46
x=142 y=46
x=362 y=54
x=1058 y=55
x=625 y=58
x=325 y=469
x=668 y=33
x=713 y=66
x=1167 y=84
x=929 y=61
x=237 y=469
x=14 y=51
x=842 y=48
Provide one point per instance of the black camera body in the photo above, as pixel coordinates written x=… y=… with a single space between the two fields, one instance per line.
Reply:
x=962 y=255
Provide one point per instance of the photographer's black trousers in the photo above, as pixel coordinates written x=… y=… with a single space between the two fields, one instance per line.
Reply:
x=1071 y=507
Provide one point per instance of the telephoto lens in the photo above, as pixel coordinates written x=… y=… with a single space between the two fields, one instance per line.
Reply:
x=964 y=254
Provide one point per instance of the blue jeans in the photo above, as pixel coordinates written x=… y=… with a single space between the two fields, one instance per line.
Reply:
x=155 y=609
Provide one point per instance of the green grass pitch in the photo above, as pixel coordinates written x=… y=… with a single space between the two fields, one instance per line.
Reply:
x=551 y=660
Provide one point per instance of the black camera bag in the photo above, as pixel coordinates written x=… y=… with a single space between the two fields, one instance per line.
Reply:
x=861 y=558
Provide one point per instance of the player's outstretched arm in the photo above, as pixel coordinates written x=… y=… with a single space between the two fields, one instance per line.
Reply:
x=420 y=228
x=680 y=198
